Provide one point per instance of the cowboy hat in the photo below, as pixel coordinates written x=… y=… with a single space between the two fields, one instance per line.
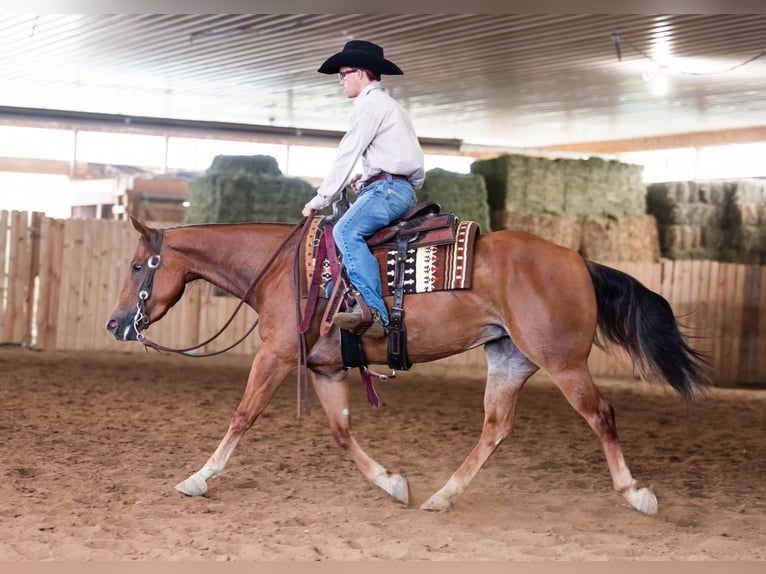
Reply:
x=360 y=54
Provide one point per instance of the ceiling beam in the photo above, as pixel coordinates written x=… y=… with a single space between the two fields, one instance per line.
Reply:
x=693 y=139
x=64 y=119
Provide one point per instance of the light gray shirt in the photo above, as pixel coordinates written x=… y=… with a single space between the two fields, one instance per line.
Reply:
x=381 y=133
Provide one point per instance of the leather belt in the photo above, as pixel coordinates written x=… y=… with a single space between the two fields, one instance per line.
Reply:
x=382 y=175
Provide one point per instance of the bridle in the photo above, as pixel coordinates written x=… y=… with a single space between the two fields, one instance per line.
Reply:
x=141 y=318
x=145 y=291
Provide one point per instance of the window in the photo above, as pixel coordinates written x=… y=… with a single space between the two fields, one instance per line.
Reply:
x=121 y=149
x=197 y=154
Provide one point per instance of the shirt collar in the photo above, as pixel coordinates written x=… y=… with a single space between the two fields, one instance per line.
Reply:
x=370 y=87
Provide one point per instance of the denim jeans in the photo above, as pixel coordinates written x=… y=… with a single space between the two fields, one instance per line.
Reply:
x=379 y=204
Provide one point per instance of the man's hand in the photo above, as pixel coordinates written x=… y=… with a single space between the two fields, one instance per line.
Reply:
x=354 y=183
x=308 y=211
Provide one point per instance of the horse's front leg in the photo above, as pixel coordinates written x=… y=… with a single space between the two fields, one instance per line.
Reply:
x=266 y=374
x=332 y=391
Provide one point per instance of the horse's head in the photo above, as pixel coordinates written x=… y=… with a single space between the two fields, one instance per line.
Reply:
x=155 y=283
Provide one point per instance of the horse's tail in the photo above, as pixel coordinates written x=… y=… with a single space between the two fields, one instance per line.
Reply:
x=642 y=322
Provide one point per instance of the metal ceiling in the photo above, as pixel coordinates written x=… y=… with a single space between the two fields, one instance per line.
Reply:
x=509 y=80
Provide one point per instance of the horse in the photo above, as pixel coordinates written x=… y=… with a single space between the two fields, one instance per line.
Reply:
x=533 y=305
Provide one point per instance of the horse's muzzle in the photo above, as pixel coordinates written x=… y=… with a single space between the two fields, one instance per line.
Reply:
x=122 y=328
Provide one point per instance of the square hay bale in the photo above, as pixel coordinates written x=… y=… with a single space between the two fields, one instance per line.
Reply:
x=623 y=239
x=604 y=187
x=711 y=191
x=244 y=196
x=672 y=242
x=249 y=164
x=563 y=186
x=563 y=230
x=723 y=220
x=750 y=245
x=505 y=181
x=465 y=195
x=546 y=185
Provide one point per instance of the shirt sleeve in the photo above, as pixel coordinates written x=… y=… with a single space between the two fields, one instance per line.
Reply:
x=362 y=129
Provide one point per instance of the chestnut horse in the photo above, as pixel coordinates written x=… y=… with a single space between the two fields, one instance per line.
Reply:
x=532 y=305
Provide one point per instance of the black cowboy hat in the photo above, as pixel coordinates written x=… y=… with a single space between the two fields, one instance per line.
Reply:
x=360 y=54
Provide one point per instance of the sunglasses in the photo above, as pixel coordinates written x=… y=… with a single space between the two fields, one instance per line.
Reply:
x=342 y=75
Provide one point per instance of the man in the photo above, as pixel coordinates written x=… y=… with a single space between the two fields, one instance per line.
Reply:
x=381 y=133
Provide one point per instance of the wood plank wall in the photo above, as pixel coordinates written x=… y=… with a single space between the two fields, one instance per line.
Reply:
x=60 y=278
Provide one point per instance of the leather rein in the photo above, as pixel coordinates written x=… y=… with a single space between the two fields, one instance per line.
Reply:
x=145 y=291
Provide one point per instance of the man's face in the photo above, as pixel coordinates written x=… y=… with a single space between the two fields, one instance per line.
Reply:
x=352 y=81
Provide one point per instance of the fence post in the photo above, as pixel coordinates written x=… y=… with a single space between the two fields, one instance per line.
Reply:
x=49 y=282
x=18 y=242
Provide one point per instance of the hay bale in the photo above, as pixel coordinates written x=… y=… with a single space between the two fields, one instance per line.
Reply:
x=237 y=189
x=622 y=239
x=565 y=230
x=607 y=188
x=723 y=220
x=599 y=238
x=750 y=244
x=691 y=242
x=250 y=164
x=462 y=194
x=563 y=186
x=663 y=203
x=546 y=186
x=505 y=187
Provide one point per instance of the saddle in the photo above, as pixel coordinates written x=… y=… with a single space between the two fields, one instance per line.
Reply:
x=424 y=225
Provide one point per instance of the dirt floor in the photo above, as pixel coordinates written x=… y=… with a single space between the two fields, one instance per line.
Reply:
x=92 y=445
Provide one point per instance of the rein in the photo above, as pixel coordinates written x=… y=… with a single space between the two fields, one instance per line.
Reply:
x=145 y=291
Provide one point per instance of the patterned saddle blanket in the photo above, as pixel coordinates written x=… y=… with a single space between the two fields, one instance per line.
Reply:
x=430 y=267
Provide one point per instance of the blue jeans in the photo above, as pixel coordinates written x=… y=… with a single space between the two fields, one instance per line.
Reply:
x=379 y=204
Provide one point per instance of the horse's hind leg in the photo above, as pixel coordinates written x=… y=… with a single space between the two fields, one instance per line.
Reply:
x=332 y=391
x=508 y=370
x=266 y=374
x=579 y=389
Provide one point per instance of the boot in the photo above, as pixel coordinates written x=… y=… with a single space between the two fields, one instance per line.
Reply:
x=351 y=320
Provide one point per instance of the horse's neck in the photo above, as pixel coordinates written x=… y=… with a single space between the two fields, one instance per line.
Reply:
x=232 y=256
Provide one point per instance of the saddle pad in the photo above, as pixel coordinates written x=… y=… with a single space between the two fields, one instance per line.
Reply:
x=311 y=242
x=435 y=267
x=432 y=268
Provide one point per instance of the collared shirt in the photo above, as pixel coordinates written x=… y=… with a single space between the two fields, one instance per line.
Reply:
x=381 y=133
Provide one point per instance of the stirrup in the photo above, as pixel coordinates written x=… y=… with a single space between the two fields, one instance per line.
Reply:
x=355 y=322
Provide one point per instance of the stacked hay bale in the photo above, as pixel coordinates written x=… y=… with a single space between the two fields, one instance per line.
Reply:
x=633 y=238
x=462 y=194
x=565 y=230
x=595 y=206
x=721 y=220
x=252 y=188
x=239 y=189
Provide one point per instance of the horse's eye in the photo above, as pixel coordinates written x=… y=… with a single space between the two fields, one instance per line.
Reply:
x=137 y=267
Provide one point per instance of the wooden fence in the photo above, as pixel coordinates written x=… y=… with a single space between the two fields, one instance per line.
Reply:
x=60 y=278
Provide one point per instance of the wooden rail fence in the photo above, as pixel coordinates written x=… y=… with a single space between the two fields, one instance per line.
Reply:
x=60 y=278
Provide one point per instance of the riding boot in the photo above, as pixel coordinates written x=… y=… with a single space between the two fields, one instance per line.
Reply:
x=352 y=320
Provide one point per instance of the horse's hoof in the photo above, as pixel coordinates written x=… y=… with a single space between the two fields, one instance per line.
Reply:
x=400 y=489
x=643 y=500
x=436 y=504
x=195 y=485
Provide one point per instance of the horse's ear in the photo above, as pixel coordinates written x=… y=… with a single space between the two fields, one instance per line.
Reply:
x=146 y=231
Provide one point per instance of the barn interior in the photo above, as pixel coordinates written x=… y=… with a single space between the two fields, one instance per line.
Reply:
x=636 y=140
